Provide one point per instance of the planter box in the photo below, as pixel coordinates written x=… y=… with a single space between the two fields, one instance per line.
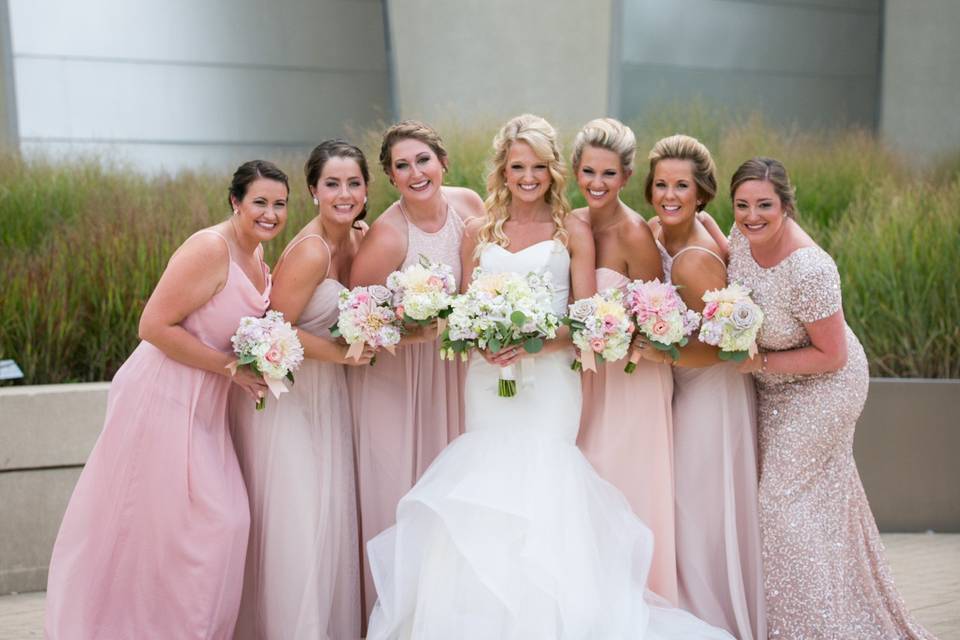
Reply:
x=905 y=447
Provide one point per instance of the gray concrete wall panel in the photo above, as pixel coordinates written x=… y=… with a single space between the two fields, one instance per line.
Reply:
x=921 y=79
x=182 y=84
x=807 y=62
x=498 y=58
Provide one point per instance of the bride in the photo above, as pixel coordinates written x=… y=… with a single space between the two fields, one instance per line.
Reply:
x=511 y=534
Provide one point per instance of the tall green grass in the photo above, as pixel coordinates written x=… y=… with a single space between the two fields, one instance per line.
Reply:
x=81 y=246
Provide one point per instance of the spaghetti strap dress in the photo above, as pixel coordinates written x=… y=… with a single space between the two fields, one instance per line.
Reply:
x=302 y=575
x=719 y=567
x=153 y=540
x=406 y=408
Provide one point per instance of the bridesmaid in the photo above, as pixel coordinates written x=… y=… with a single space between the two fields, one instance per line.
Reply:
x=719 y=568
x=826 y=575
x=302 y=577
x=626 y=428
x=152 y=543
x=407 y=407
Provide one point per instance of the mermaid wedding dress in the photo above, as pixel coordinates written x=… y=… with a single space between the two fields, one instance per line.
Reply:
x=511 y=534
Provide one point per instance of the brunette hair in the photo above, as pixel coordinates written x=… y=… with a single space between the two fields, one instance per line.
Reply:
x=336 y=148
x=252 y=170
x=415 y=130
x=768 y=170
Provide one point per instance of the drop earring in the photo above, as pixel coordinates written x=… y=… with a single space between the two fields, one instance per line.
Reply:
x=316 y=201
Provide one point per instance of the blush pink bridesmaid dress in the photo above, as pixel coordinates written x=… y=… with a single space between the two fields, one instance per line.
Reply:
x=406 y=408
x=626 y=432
x=302 y=577
x=719 y=566
x=152 y=543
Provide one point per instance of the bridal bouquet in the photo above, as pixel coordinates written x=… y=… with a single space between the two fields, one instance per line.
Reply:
x=660 y=315
x=269 y=346
x=731 y=321
x=422 y=292
x=499 y=310
x=600 y=328
x=367 y=317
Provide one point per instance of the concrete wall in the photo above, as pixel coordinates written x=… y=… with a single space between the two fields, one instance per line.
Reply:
x=493 y=59
x=921 y=80
x=9 y=138
x=180 y=83
x=905 y=447
x=815 y=62
x=46 y=434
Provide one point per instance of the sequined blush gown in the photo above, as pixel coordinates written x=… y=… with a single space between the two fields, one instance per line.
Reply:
x=302 y=576
x=626 y=432
x=826 y=575
x=719 y=568
x=511 y=534
x=406 y=408
x=152 y=543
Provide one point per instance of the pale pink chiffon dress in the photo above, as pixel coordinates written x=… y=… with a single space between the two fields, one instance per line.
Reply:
x=302 y=575
x=719 y=568
x=626 y=432
x=406 y=408
x=152 y=543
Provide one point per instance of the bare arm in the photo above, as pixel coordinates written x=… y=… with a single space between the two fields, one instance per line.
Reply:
x=294 y=282
x=195 y=273
x=465 y=202
x=715 y=232
x=827 y=352
x=381 y=252
x=642 y=255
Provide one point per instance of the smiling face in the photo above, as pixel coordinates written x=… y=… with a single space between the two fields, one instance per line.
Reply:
x=263 y=211
x=526 y=175
x=600 y=176
x=674 y=191
x=758 y=211
x=415 y=170
x=340 y=191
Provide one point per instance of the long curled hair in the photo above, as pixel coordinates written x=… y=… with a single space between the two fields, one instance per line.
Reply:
x=542 y=138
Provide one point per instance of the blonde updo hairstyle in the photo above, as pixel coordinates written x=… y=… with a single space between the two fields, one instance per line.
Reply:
x=767 y=170
x=609 y=134
x=681 y=147
x=542 y=138
x=410 y=130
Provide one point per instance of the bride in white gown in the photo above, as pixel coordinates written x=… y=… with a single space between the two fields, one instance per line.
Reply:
x=511 y=534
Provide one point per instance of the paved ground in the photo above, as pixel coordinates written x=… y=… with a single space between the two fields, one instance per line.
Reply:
x=926 y=566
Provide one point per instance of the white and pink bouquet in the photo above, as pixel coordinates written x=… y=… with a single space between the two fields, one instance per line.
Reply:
x=500 y=310
x=269 y=346
x=600 y=328
x=367 y=317
x=423 y=292
x=660 y=315
x=731 y=321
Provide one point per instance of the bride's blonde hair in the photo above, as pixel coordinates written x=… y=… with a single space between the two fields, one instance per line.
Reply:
x=542 y=138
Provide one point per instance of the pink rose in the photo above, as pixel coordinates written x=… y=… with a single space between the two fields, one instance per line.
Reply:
x=597 y=344
x=435 y=282
x=273 y=356
x=710 y=310
x=660 y=328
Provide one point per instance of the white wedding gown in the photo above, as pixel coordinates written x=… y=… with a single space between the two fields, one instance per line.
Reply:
x=511 y=534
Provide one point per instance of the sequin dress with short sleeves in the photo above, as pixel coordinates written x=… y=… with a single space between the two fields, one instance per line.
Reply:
x=825 y=571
